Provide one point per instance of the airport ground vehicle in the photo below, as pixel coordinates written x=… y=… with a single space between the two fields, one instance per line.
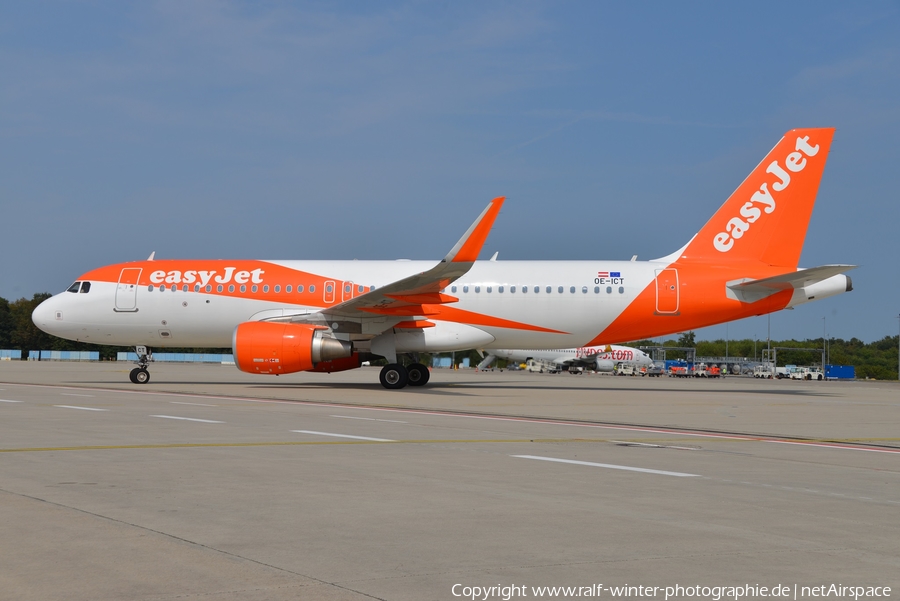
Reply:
x=624 y=369
x=764 y=370
x=702 y=370
x=654 y=372
x=680 y=371
x=281 y=317
x=807 y=373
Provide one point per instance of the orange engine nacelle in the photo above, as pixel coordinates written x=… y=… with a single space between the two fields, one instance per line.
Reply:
x=262 y=347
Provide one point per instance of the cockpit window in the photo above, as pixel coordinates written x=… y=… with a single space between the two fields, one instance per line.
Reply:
x=85 y=287
x=74 y=287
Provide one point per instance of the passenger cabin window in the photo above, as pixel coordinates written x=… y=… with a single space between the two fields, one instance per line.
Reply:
x=360 y=289
x=488 y=289
x=74 y=287
x=453 y=289
x=287 y=288
x=243 y=288
x=299 y=288
x=277 y=288
x=184 y=288
x=208 y=288
x=85 y=287
x=477 y=288
x=537 y=289
x=609 y=289
x=584 y=289
x=466 y=288
x=596 y=289
x=218 y=288
x=500 y=289
x=149 y=288
x=231 y=288
x=512 y=289
x=266 y=288
x=312 y=288
x=524 y=289
x=621 y=290
x=549 y=289
x=196 y=287
x=571 y=289
x=560 y=290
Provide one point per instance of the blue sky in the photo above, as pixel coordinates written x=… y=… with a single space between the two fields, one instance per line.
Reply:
x=376 y=130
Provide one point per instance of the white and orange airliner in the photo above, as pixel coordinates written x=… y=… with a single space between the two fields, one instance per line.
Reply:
x=281 y=317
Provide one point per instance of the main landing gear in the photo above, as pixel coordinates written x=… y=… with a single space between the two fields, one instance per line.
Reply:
x=395 y=376
x=140 y=374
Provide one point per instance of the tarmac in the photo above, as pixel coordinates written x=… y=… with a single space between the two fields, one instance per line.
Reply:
x=209 y=484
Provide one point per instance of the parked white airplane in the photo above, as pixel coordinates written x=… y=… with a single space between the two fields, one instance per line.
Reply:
x=286 y=316
x=602 y=359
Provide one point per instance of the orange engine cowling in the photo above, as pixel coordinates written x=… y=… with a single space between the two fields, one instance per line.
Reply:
x=262 y=347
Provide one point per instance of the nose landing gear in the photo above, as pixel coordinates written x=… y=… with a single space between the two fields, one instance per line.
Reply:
x=140 y=374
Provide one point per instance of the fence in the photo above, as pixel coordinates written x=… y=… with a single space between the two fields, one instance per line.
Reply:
x=227 y=359
x=8 y=355
x=63 y=355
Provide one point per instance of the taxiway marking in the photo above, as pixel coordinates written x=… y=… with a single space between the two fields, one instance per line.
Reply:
x=197 y=404
x=189 y=419
x=82 y=408
x=73 y=394
x=610 y=466
x=343 y=436
x=849 y=445
x=370 y=419
x=9 y=401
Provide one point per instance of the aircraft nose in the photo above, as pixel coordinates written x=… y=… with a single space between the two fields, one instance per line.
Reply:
x=45 y=315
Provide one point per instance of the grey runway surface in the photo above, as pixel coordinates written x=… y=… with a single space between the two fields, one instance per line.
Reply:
x=215 y=485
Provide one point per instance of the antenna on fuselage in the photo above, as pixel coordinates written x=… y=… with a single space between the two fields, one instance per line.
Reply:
x=494 y=258
x=153 y=254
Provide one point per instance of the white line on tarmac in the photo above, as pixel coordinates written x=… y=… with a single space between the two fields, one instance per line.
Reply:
x=197 y=404
x=654 y=446
x=189 y=419
x=610 y=466
x=342 y=435
x=73 y=394
x=526 y=420
x=9 y=401
x=370 y=419
x=82 y=408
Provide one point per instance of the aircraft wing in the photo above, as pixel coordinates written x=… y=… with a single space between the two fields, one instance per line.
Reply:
x=412 y=296
x=753 y=290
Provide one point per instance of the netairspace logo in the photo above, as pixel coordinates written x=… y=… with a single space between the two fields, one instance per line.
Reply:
x=713 y=593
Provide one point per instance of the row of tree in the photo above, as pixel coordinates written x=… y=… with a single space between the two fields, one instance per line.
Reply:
x=872 y=360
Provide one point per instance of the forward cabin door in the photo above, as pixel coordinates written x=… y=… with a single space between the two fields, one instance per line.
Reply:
x=667 y=290
x=126 y=289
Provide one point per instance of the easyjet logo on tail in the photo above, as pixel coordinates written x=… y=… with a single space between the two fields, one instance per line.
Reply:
x=763 y=201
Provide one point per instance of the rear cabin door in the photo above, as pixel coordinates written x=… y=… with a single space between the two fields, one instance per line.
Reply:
x=126 y=289
x=667 y=290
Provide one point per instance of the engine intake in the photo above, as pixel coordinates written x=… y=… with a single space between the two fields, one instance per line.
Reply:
x=262 y=347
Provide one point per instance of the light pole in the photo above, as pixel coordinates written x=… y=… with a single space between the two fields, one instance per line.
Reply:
x=898 y=350
x=823 y=344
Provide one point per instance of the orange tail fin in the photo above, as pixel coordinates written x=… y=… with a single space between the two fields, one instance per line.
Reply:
x=766 y=218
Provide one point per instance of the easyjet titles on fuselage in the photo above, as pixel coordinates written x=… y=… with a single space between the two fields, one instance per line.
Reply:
x=203 y=277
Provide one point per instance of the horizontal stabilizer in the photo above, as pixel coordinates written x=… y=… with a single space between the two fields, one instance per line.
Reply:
x=750 y=291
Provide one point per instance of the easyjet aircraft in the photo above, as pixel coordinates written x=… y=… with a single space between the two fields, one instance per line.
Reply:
x=603 y=358
x=287 y=316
